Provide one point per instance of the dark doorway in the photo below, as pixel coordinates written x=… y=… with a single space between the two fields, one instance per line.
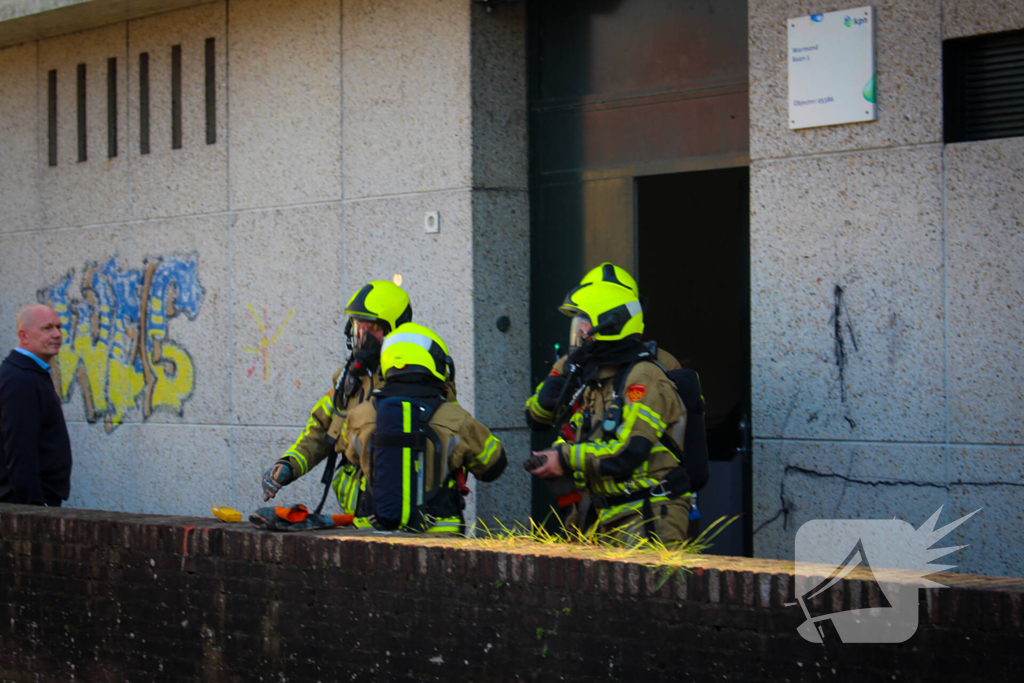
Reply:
x=621 y=90
x=693 y=265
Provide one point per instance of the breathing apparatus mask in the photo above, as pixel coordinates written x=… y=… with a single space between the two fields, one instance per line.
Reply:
x=364 y=345
x=363 y=337
x=581 y=333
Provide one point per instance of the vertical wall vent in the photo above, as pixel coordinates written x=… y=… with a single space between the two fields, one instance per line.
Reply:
x=144 y=103
x=211 y=91
x=82 y=127
x=111 y=107
x=176 y=97
x=983 y=86
x=51 y=117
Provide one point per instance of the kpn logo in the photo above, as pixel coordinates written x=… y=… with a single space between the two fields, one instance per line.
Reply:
x=888 y=553
x=854 y=21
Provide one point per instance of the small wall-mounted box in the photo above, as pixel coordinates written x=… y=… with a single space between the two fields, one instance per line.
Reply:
x=432 y=221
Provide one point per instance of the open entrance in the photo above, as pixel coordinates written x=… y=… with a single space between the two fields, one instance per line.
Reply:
x=693 y=265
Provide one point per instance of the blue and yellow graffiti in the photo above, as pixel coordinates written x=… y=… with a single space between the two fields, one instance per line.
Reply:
x=116 y=340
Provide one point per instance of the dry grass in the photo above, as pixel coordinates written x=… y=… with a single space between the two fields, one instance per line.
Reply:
x=592 y=544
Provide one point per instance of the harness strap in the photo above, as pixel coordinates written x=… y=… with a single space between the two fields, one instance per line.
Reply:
x=416 y=441
x=647 y=513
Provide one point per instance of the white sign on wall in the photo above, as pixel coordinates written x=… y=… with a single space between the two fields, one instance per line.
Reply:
x=832 y=68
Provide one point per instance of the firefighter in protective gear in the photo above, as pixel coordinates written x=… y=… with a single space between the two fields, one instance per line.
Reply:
x=373 y=311
x=539 y=406
x=416 y=365
x=614 y=445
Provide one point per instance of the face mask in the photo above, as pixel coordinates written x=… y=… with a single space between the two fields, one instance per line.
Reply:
x=368 y=348
x=580 y=333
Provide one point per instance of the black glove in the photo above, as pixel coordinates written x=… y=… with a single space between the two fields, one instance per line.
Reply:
x=550 y=391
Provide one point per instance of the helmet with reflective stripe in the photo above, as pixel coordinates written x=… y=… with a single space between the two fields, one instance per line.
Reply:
x=380 y=301
x=609 y=272
x=414 y=349
x=613 y=310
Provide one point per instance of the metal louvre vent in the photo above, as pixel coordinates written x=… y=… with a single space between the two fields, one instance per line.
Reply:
x=984 y=87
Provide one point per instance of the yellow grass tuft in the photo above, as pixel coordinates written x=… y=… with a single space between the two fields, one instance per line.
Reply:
x=591 y=543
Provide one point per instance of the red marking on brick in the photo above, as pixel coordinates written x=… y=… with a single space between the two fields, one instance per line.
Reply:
x=184 y=544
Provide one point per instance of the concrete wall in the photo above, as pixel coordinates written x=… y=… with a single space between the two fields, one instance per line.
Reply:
x=338 y=125
x=886 y=284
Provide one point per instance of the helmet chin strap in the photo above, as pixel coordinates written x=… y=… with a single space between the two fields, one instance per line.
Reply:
x=348 y=334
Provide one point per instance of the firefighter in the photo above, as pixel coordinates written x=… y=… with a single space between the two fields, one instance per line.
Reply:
x=410 y=415
x=373 y=311
x=538 y=406
x=627 y=419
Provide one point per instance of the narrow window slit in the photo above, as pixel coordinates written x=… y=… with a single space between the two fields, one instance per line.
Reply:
x=112 y=107
x=176 y=96
x=211 y=93
x=144 y=103
x=51 y=117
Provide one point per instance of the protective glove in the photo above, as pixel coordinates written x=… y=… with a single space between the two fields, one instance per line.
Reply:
x=547 y=397
x=296 y=518
x=279 y=474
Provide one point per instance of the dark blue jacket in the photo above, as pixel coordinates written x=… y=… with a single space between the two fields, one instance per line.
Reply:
x=35 y=451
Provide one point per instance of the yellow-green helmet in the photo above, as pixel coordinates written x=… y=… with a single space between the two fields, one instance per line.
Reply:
x=609 y=272
x=613 y=310
x=413 y=349
x=380 y=301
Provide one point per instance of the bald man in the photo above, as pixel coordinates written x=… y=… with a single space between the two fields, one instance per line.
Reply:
x=35 y=451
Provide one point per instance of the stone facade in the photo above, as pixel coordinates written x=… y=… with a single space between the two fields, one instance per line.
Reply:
x=886 y=295
x=335 y=127
x=885 y=264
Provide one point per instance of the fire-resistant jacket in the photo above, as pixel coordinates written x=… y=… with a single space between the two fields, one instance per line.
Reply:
x=328 y=420
x=543 y=417
x=608 y=464
x=311 y=448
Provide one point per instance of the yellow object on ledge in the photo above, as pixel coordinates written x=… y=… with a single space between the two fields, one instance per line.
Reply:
x=225 y=513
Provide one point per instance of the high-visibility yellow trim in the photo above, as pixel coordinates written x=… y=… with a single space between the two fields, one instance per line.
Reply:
x=633 y=506
x=445 y=525
x=491 y=447
x=579 y=454
x=293 y=450
x=536 y=410
x=347 y=484
x=406 y=463
x=650 y=417
x=362 y=523
x=299 y=459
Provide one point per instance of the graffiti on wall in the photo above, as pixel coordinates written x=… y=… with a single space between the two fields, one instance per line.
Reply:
x=266 y=344
x=117 y=342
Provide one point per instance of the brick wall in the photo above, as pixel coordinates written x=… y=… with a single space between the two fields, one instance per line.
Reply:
x=104 y=596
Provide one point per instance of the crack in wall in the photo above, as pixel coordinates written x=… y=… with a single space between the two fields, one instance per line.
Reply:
x=788 y=506
x=840 y=319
